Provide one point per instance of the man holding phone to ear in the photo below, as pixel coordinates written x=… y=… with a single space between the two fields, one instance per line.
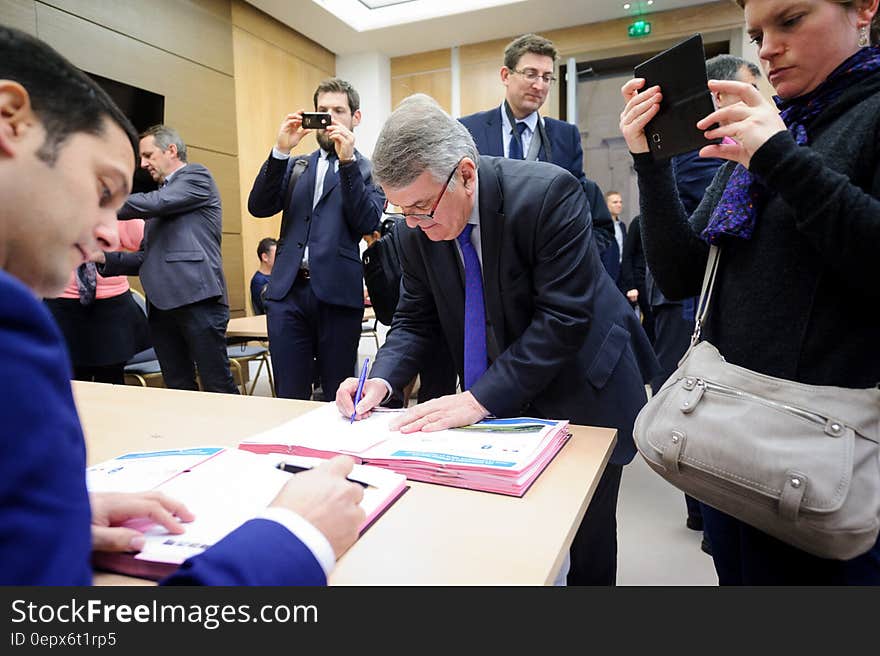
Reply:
x=314 y=302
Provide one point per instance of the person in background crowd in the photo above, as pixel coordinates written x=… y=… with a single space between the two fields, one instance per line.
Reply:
x=102 y=324
x=260 y=280
x=527 y=75
x=632 y=276
x=613 y=255
x=180 y=265
x=315 y=302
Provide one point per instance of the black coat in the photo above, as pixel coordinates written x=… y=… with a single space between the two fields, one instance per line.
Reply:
x=800 y=299
x=568 y=344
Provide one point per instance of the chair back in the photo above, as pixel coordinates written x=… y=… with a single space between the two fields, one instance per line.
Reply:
x=140 y=300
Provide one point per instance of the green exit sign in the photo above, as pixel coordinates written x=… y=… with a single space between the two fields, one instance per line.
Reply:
x=639 y=28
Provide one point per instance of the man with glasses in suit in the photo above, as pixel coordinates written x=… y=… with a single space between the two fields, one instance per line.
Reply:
x=497 y=261
x=527 y=75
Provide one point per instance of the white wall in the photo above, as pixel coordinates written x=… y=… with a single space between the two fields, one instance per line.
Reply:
x=370 y=74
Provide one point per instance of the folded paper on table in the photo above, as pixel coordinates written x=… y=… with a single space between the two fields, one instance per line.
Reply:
x=222 y=487
x=494 y=455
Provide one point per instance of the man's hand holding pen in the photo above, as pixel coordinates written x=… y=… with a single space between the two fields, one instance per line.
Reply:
x=373 y=393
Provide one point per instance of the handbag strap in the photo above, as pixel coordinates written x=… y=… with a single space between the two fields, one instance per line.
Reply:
x=706 y=292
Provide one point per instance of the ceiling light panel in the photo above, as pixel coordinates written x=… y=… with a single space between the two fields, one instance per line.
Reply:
x=365 y=15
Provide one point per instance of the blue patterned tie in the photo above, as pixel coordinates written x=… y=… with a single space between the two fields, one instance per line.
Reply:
x=515 y=149
x=475 y=359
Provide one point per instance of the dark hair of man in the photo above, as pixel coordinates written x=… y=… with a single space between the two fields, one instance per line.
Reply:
x=265 y=245
x=532 y=43
x=164 y=136
x=337 y=85
x=727 y=67
x=64 y=98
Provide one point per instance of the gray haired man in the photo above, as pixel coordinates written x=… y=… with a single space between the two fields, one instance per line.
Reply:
x=179 y=264
x=499 y=262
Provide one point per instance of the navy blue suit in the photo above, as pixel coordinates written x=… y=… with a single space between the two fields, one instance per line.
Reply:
x=611 y=256
x=319 y=315
x=45 y=532
x=565 y=151
x=568 y=346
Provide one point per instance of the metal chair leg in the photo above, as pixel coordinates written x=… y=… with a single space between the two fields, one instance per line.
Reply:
x=269 y=371
x=234 y=363
x=262 y=360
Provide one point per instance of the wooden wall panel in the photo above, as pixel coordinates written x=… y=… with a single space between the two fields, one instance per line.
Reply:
x=432 y=60
x=20 y=14
x=224 y=168
x=665 y=25
x=263 y=26
x=276 y=72
x=199 y=31
x=427 y=72
x=233 y=267
x=182 y=50
x=481 y=86
x=199 y=101
x=437 y=84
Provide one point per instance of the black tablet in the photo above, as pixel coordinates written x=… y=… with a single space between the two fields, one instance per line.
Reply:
x=681 y=74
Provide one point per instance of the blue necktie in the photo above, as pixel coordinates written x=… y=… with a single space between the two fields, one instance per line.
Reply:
x=475 y=359
x=515 y=149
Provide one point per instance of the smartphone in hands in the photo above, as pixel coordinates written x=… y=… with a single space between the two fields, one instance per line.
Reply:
x=316 y=120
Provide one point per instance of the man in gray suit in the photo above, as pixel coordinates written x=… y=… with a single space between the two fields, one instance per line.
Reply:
x=179 y=264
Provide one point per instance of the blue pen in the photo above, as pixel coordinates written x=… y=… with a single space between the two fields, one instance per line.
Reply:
x=360 y=389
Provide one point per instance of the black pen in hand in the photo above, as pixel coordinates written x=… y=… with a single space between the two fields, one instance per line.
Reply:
x=296 y=469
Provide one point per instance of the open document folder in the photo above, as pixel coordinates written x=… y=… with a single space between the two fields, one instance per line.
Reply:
x=223 y=488
x=494 y=455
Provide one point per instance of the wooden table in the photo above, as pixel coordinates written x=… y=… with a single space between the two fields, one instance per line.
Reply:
x=255 y=327
x=248 y=327
x=433 y=535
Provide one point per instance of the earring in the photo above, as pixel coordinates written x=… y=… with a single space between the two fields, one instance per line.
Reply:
x=864 y=37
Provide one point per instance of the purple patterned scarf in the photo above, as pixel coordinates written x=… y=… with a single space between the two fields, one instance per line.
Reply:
x=744 y=195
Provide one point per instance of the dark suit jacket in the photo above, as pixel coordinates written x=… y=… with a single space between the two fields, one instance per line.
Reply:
x=350 y=207
x=570 y=347
x=179 y=261
x=632 y=266
x=45 y=519
x=565 y=151
x=693 y=175
x=611 y=256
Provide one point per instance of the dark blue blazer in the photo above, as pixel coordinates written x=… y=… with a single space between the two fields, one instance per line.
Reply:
x=569 y=345
x=45 y=519
x=611 y=255
x=565 y=151
x=693 y=175
x=350 y=207
x=179 y=262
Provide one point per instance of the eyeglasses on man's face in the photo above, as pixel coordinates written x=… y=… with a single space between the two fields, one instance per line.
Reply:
x=531 y=76
x=417 y=215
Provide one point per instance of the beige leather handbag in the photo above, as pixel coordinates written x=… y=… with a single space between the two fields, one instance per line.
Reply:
x=799 y=462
